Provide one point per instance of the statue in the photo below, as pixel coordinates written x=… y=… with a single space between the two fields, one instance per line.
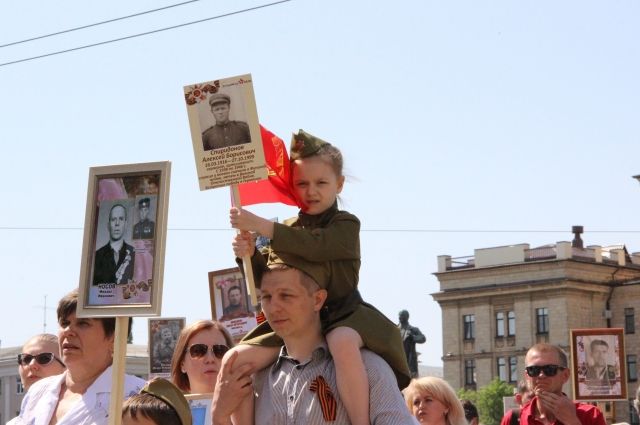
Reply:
x=410 y=337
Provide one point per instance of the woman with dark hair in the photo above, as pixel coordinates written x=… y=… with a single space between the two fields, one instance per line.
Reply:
x=198 y=356
x=80 y=395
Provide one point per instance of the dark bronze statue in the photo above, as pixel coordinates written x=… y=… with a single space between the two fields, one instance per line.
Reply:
x=410 y=337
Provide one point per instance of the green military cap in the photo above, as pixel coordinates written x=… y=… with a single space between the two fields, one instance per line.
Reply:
x=219 y=98
x=317 y=271
x=144 y=202
x=170 y=394
x=304 y=144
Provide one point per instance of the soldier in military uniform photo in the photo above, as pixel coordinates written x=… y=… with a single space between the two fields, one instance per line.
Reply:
x=600 y=375
x=145 y=228
x=225 y=132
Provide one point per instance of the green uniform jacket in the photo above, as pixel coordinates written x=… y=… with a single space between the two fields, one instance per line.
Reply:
x=332 y=238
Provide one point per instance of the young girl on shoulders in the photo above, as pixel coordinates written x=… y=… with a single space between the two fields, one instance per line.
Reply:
x=323 y=233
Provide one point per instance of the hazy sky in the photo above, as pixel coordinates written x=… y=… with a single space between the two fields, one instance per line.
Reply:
x=460 y=123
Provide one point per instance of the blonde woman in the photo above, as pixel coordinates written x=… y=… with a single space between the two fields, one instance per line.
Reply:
x=433 y=402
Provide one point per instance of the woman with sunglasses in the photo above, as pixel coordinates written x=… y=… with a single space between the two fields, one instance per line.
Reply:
x=198 y=356
x=40 y=358
x=81 y=395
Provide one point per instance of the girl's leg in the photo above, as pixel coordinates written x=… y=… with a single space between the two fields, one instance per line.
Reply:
x=351 y=376
x=257 y=356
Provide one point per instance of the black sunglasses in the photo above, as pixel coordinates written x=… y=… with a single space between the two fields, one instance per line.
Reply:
x=198 y=351
x=548 y=370
x=42 y=359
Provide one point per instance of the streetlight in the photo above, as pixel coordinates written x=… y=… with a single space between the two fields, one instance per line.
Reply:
x=637 y=177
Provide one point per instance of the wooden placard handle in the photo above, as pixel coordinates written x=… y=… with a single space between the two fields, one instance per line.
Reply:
x=246 y=260
x=118 y=370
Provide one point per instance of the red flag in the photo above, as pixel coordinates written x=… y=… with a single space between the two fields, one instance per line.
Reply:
x=277 y=187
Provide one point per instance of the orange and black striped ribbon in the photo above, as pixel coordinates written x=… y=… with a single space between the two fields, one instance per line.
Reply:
x=260 y=317
x=327 y=401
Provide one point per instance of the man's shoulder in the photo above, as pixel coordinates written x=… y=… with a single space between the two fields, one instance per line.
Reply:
x=240 y=124
x=589 y=414
x=103 y=249
x=209 y=130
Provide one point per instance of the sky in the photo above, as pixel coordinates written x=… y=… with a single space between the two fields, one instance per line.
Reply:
x=463 y=124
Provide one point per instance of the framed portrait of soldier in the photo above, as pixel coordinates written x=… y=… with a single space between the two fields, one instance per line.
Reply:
x=230 y=303
x=163 y=336
x=225 y=132
x=123 y=247
x=200 y=405
x=598 y=364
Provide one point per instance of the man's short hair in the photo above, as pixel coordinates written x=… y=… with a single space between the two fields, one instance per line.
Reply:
x=522 y=387
x=307 y=281
x=234 y=287
x=118 y=205
x=470 y=410
x=544 y=347
x=596 y=342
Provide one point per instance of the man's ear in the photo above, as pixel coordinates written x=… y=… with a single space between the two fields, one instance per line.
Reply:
x=319 y=297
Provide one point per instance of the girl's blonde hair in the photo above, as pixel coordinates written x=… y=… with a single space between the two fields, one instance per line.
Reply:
x=440 y=390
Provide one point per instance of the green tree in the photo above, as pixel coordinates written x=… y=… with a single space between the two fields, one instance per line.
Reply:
x=488 y=400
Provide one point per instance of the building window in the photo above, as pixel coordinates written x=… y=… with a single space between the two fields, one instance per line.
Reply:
x=19 y=387
x=500 y=324
x=542 y=320
x=513 y=369
x=502 y=369
x=469 y=326
x=629 y=321
x=511 y=323
x=470 y=372
x=632 y=368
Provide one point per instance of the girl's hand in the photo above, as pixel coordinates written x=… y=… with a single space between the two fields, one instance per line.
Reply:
x=244 y=244
x=242 y=219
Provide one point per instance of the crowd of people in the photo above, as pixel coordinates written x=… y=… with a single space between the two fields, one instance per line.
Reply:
x=323 y=355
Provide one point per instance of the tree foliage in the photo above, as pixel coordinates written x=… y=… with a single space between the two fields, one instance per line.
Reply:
x=488 y=400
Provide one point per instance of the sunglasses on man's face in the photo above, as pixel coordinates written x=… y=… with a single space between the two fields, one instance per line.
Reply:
x=548 y=370
x=198 y=351
x=42 y=359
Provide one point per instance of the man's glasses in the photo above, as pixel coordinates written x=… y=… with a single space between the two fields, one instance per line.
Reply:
x=548 y=370
x=198 y=351
x=42 y=359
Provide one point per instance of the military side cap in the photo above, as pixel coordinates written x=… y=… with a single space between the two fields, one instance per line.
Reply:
x=170 y=394
x=219 y=98
x=144 y=202
x=304 y=144
x=317 y=271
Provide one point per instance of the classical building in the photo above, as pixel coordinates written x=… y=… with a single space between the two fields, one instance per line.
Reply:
x=502 y=300
x=11 y=391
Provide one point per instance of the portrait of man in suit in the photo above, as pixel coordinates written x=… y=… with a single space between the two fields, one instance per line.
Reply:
x=115 y=260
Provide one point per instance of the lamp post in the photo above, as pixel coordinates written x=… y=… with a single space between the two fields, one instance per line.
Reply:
x=636 y=177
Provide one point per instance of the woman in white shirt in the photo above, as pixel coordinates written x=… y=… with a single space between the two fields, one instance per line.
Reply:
x=81 y=394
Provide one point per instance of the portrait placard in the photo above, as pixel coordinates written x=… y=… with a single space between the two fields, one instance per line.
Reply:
x=200 y=405
x=598 y=364
x=230 y=303
x=225 y=132
x=124 y=240
x=163 y=336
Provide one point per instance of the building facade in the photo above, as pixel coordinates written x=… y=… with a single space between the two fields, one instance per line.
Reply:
x=12 y=392
x=499 y=302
